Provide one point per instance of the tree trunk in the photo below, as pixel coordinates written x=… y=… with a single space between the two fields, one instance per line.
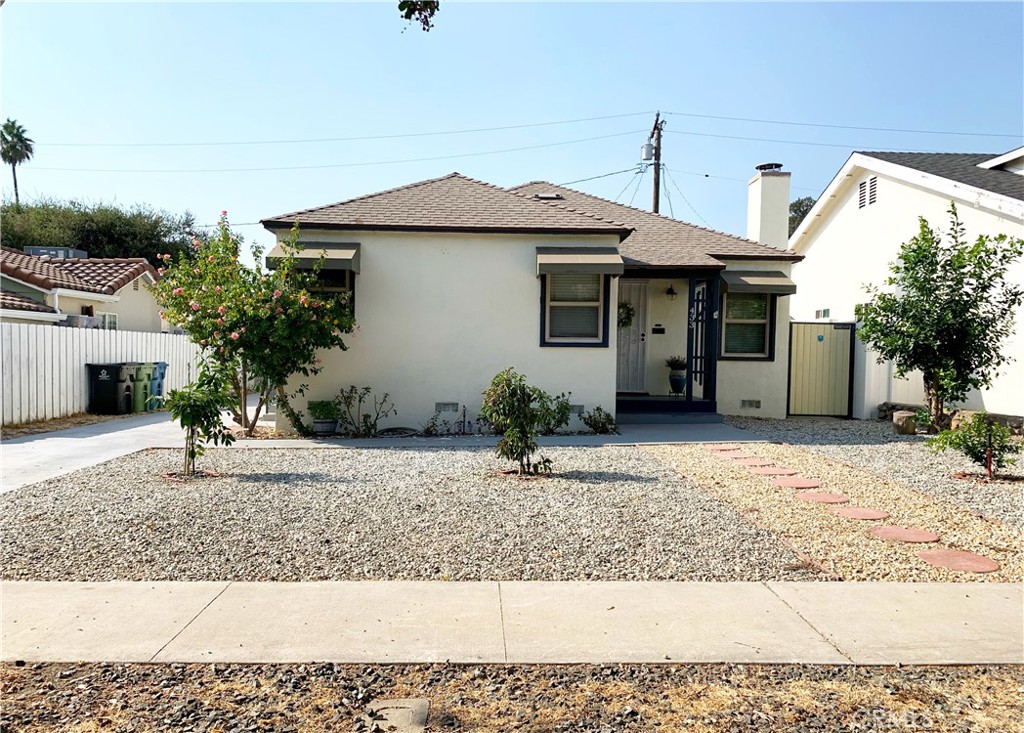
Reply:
x=936 y=410
x=14 y=173
x=245 y=396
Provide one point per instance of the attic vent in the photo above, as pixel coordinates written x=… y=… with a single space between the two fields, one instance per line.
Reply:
x=872 y=189
x=867 y=192
x=446 y=407
x=135 y=284
x=549 y=196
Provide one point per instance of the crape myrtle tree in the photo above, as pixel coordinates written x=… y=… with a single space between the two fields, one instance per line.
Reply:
x=947 y=312
x=266 y=327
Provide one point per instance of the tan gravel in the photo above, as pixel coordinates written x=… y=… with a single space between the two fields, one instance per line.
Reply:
x=843 y=546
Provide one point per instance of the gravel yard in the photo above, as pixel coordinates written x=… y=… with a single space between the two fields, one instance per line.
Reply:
x=843 y=546
x=577 y=698
x=874 y=446
x=365 y=514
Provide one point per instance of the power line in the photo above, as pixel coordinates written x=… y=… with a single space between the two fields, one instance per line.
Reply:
x=729 y=178
x=603 y=175
x=341 y=165
x=842 y=127
x=345 y=139
x=680 y=191
x=638 y=182
x=668 y=196
x=774 y=140
x=637 y=173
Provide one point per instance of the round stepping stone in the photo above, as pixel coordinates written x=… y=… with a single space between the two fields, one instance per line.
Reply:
x=903 y=534
x=720 y=447
x=966 y=562
x=788 y=482
x=774 y=471
x=753 y=462
x=859 y=512
x=739 y=456
x=821 y=497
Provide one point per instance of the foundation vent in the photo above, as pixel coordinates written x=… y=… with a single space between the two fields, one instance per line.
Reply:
x=576 y=409
x=750 y=404
x=446 y=407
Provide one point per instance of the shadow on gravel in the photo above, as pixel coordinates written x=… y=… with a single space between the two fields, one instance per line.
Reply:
x=286 y=478
x=600 y=477
x=827 y=431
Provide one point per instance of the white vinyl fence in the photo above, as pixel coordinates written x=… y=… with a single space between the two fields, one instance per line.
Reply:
x=42 y=367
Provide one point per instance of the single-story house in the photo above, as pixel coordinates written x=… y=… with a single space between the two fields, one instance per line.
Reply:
x=78 y=291
x=453 y=280
x=855 y=230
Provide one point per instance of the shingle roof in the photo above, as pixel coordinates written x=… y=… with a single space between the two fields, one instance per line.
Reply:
x=959 y=167
x=10 y=301
x=659 y=241
x=451 y=203
x=105 y=276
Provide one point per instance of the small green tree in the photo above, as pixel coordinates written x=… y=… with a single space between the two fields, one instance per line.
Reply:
x=947 y=313
x=978 y=439
x=197 y=408
x=266 y=326
x=798 y=211
x=515 y=409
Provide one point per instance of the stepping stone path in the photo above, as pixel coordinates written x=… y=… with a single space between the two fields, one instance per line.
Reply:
x=966 y=562
x=822 y=497
x=720 y=447
x=740 y=456
x=903 y=534
x=797 y=483
x=753 y=462
x=774 y=471
x=859 y=512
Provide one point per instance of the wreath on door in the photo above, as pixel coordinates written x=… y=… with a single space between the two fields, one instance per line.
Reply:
x=626 y=315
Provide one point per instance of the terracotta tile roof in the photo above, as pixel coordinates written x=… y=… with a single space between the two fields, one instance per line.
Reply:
x=452 y=203
x=10 y=301
x=659 y=241
x=95 y=275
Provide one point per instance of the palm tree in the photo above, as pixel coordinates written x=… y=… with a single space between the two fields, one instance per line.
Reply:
x=15 y=149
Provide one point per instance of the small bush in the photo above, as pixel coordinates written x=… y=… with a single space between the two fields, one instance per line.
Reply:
x=974 y=437
x=352 y=421
x=197 y=408
x=514 y=409
x=600 y=422
x=676 y=362
x=323 y=410
x=555 y=412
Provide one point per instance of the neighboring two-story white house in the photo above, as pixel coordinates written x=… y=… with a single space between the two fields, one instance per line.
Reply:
x=856 y=228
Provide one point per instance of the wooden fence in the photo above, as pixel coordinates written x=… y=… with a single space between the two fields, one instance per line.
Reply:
x=42 y=367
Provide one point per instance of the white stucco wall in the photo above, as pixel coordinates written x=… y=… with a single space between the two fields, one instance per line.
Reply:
x=440 y=314
x=766 y=381
x=849 y=247
x=136 y=310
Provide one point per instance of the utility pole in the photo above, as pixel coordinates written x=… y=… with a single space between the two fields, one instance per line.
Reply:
x=655 y=138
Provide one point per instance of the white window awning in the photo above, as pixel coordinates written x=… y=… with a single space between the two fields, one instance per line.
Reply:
x=336 y=256
x=579 y=261
x=755 y=281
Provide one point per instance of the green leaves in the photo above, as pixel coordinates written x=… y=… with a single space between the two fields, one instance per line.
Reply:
x=518 y=411
x=975 y=438
x=197 y=408
x=947 y=311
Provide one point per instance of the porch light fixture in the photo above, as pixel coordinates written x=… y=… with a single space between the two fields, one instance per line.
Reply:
x=671 y=293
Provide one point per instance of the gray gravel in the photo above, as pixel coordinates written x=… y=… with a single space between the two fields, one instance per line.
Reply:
x=874 y=446
x=405 y=514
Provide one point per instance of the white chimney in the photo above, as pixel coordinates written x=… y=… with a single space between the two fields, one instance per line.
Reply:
x=768 y=206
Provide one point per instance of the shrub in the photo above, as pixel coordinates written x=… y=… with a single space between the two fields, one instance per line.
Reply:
x=675 y=362
x=514 y=409
x=197 y=408
x=600 y=422
x=555 y=412
x=323 y=409
x=975 y=437
x=353 y=422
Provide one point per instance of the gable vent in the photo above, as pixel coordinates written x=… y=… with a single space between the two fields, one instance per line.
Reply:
x=549 y=196
x=872 y=189
x=862 y=195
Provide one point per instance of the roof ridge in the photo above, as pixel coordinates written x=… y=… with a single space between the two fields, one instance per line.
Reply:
x=659 y=216
x=364 y=197
x=918 y=152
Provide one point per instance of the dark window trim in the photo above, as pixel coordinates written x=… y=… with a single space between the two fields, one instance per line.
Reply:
x=605 y=316
x=773 y=309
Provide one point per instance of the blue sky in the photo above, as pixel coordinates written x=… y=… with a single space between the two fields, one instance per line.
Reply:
x=236 y=72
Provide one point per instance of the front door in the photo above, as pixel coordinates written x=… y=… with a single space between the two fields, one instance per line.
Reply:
x=631 y=375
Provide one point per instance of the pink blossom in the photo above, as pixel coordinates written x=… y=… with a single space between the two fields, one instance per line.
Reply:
x=194 y=305
x=221 y=309
x=220 y=321
x=160 y=313
x=217 y=289
x=223 y=214
x=178 y=291
x=159 y=271
x=279 y=310
x=211 y=258
x=243 y=329
x=166 y=257
x=234 y=335
x=216 y=334
x=202 y=342
x=314 y=317
x=277 y=294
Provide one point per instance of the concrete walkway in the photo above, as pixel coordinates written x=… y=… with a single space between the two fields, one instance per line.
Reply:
x=36 y=458
x=514 y=622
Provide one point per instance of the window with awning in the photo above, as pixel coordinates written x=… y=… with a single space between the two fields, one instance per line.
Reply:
x=335 y=256
x=579 y=261
x=757 y=281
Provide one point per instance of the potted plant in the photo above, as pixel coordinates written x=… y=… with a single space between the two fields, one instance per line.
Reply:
x=325 y=414
x=676 y=374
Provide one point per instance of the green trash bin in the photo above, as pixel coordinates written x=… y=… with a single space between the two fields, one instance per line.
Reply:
x=142 y=377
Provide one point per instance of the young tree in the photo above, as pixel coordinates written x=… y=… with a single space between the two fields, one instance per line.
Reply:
x=947 y=312
x=798 y=209
x=265 y=326
x=16 y=147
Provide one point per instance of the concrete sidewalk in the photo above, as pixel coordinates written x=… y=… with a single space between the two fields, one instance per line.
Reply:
x=36 y=458
x=514 y=622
